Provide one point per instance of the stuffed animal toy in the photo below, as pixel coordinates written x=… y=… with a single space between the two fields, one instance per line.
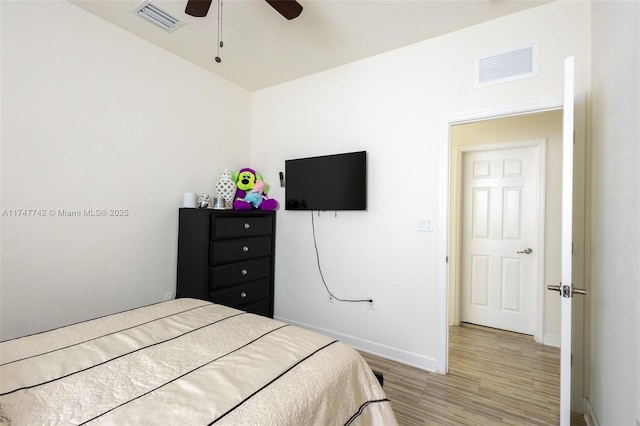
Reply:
x=256 y=195
x=246 y=180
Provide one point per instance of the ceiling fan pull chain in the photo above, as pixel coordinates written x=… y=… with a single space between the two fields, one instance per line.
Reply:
x=221 y=6
x=220 y=42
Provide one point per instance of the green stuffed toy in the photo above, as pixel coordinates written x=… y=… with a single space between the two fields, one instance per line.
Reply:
x=247 y=195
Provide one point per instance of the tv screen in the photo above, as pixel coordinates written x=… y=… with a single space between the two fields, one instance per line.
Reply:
x=328 y=182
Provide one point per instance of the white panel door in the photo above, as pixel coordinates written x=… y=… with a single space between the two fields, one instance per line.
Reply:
x=566 y=286
x=500 y=247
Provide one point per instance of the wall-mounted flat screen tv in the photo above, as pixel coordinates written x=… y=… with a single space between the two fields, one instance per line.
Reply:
x=328 y=182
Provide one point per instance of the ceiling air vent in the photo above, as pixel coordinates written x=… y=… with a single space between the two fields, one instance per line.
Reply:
x=155 y=15
x=507 y=66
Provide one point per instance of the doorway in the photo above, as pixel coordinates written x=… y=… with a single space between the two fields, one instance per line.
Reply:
x=502 y=131
x=549 y=327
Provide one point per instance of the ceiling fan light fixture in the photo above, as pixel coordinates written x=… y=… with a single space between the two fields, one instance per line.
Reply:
x=157 y=16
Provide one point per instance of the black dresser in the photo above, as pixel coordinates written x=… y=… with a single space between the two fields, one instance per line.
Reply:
x=227 y=257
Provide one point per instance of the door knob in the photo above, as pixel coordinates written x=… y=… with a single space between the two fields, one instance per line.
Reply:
x=554 y=288
x=566 y=291
x=525 y=251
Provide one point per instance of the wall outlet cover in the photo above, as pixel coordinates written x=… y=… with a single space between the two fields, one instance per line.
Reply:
x=425 y=224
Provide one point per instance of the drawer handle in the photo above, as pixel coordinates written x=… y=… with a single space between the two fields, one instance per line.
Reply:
x=244 y=272
x=245 y=249
x=243 y=294
x=247 y=225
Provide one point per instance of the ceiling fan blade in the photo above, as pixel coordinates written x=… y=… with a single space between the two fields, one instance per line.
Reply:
x=288 y=8
x=198 y=8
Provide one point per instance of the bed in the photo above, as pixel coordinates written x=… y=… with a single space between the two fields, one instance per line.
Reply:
x=187 y=362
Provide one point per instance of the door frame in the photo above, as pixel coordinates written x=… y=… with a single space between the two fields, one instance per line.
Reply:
x=445 y=199
x=456 y=217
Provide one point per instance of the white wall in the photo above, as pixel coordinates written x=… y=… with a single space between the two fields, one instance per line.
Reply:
x=614 y=385
x=393 y=106
x=96 y=118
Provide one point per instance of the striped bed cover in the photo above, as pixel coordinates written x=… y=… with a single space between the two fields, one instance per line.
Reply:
x=186 y=362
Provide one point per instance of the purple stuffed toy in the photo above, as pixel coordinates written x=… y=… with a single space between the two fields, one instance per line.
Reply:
x=245 y=180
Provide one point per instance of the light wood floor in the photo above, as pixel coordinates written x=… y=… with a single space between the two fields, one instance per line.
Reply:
x=495 y=378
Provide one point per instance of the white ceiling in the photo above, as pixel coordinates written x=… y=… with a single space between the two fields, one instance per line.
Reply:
x=262 y=49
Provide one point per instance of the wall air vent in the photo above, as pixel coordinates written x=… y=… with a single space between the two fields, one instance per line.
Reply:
x=155 y=15
x=507 y=66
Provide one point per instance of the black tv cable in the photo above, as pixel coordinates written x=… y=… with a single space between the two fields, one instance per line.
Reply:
x=315 y=245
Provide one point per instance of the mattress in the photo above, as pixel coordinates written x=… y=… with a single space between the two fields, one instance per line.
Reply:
x=187 y=362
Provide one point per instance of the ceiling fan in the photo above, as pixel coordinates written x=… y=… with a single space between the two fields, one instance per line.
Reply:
x=288 y=8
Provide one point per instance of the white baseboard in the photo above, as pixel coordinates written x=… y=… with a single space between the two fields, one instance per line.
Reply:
x=394 y=354
x=589 y=415
x=551 y=340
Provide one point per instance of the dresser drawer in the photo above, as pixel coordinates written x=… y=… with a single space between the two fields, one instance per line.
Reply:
x=261 y=307
x=242 y=294
x=227 y=251
x=237 y=227
x=240 y=272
